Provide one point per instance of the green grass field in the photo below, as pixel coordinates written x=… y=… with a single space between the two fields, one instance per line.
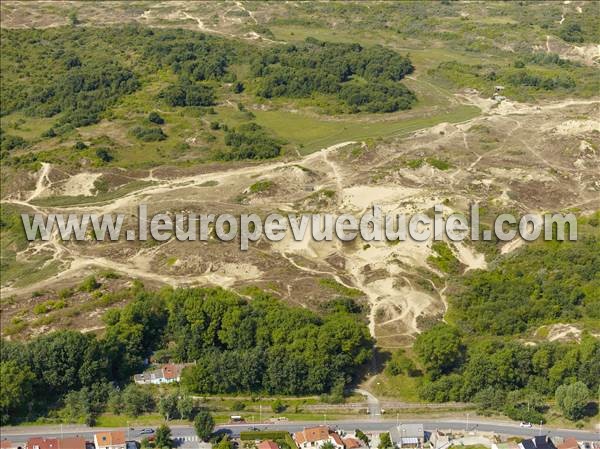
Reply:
x=313 y=133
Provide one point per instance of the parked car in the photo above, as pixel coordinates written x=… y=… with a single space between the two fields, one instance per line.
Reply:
x=146 y=431
x=526 y=424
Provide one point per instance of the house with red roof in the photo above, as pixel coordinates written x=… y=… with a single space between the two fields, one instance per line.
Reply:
x=7 y=444
x=267 y=444
x=165 y=374
x=42 y=443
x=316 y=437
x=110 y=440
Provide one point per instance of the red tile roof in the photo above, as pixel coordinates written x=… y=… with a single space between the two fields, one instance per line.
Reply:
x=6 y=444
x=267 y=444
x=336 y=438
x=170 y=371
x=569 y=443
x=110 y=438
x=42 y=443
x=312 y=434
x=72 y=443
x=352 y=443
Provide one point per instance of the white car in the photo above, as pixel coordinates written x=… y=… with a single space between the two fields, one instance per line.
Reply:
x=525 y=424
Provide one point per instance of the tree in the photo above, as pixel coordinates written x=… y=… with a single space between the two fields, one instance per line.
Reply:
x=204 y=424
x=328 y=445
x=137 y=400
x=115 y=402
x=167 y=406
x=362 y=436
x=154 y=117
x=573 y=399
x=104 y=155
x=56 y=360
x=163 y=437
x=185 y=407
x=440 y=349
x=385 y=441
x=17 y=382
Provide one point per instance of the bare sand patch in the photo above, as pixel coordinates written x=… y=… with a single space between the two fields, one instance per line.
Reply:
x=79 y=184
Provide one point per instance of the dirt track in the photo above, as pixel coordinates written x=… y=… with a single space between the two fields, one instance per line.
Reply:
x=391 y=276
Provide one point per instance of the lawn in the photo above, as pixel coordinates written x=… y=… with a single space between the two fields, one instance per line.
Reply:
x=313 y=133
x=400 y=387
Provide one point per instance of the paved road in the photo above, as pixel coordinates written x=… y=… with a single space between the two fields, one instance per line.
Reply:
x=21 y=434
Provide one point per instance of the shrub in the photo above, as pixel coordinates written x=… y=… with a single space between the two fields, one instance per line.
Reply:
x=89 y=284
x=149 y=134
x=154 y=117
x=104 y=155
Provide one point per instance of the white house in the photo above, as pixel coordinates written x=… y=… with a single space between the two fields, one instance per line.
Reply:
x=166 y=374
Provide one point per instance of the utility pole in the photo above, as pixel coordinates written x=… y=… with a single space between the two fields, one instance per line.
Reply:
x=260 y=413
x=540 y=427
x=467 y=429
x=397 y=420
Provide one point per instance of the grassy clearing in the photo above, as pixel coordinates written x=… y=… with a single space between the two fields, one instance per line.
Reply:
x=402 y=387
x=313 y=133
x=63 y=201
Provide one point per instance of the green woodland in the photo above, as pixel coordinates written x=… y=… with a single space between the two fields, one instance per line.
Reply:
x=480 y=354
x=283 y=350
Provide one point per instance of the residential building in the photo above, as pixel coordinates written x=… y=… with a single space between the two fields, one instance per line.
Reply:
x=316 y=437
x=408 y=435
x=42 y=443
x=442 y=440
x=7 y=444
x=569 y=443
x=267 y=444
x=165 y=374
x=72 y=443
x=353 y=443
x=110 y=440
x=539 y=442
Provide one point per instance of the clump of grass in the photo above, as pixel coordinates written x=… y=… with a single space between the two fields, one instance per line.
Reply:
x=89 y=284
x=48 y=306
x=334 y=285
x=415 y=163
x=445 y=260
x=438 y=163
x=261 y=186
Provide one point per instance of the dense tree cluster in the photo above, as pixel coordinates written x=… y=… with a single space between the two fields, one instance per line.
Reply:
x=366 y=79
x=501 y=375
x=283 y=351
x=9 y=142
x=148 y=133
x=528 y=76
x=81 y=94
x=549 y=281
x=477 y=358
x=188 y=94
x=249 y=141
x=196 y=58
